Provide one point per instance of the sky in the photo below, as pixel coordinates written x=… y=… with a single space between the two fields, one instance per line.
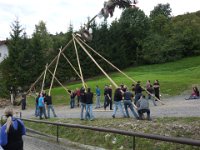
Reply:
x=58 y=14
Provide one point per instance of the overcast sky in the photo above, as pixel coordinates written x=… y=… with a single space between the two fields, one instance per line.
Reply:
x=57 y=14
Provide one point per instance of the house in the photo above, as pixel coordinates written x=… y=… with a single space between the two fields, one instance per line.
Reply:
x=3 y=50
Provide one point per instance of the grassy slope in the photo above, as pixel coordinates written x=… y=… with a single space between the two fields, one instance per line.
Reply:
x=174 y=77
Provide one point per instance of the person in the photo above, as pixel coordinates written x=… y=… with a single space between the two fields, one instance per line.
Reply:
x=23 y=102
x=36 y=106
x=156 y=87
x=82 y=101
x=106 y=97
x=110 y=96
x=117 y=102
x=50 y=106
x=78 y=94
x=195 y=94
x=72 y=99
x=12 y=132
x=89 y=102
x=150 y=89
x=128 y=98
x=98 y=97
x=138 y=92
x=41 y=106
x=143 y=107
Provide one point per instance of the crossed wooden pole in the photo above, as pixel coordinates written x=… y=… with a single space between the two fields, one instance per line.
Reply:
x=78 y=40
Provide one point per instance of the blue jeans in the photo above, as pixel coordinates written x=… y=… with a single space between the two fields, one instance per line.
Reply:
x=82 y=109
x=128 y=103
x=117 y=105
x=42 y=111
x=88 y=113
x=52 y=109
x=72 y=103
x=98 y=104
x=37 y=113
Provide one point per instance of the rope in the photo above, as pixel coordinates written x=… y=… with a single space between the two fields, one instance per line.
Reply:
x=67 y=90
x=95 y=62
x=77 y=57
x=54 y=72
x=118 y=69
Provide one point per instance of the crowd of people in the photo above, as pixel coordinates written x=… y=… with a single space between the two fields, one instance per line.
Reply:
x=42 y=102
x=122 y=99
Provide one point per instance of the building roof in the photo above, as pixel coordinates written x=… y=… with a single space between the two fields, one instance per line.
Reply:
x=3 y=42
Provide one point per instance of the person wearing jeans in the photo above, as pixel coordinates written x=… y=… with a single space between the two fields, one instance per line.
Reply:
x=89 y=102
x=50 y=106
x=128 y=96
x=117 y=102
x=82 y=101
x=98 y=95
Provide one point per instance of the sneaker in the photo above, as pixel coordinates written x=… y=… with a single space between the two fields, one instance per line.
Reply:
x=113 y=116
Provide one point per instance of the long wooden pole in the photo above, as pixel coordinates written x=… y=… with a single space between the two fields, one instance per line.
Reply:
x=77 y=57
x=54 y=72
x=48 y=67
x=118 y=69
x=59 y=82
x=95 y=62
x=45 y=72
x=71 y=65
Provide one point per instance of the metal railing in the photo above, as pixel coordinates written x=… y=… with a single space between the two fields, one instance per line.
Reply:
x=186 y=141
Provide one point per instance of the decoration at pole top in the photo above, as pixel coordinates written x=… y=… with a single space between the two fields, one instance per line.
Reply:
x=85 y=33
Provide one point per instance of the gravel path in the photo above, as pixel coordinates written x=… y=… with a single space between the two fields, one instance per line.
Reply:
x=174 y=107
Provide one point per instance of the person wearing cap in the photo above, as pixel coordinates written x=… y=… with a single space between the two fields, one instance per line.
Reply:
x=12 y=132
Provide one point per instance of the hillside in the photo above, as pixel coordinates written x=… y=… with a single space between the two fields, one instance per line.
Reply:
x=174 y=78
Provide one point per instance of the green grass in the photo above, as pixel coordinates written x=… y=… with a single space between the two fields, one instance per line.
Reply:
x=167 y=126
x=174 y=78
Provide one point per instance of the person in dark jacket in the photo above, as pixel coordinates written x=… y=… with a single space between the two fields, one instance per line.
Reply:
x=82 y=101
x=12 y=132
x=89 y=102
x=107 y=97
x=156 y=87
x=49 y=106
x=23 y=102
x=138 y=92
x=117 y=101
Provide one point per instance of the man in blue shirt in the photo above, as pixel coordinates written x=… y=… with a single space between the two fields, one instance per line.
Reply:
x=98 y=96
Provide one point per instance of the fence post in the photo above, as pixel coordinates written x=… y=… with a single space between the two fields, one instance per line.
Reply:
x=57 y=132
x=133 y=142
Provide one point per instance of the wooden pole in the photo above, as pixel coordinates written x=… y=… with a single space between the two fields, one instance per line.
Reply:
x=95 y=62
x=45 y=72
x=59 y=82
x=71 y=65
x=48 y=66
x=77 y=57
x=118 y=69
x=54 y=71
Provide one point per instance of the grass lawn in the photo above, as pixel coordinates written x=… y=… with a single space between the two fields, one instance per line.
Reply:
x=174 y=78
